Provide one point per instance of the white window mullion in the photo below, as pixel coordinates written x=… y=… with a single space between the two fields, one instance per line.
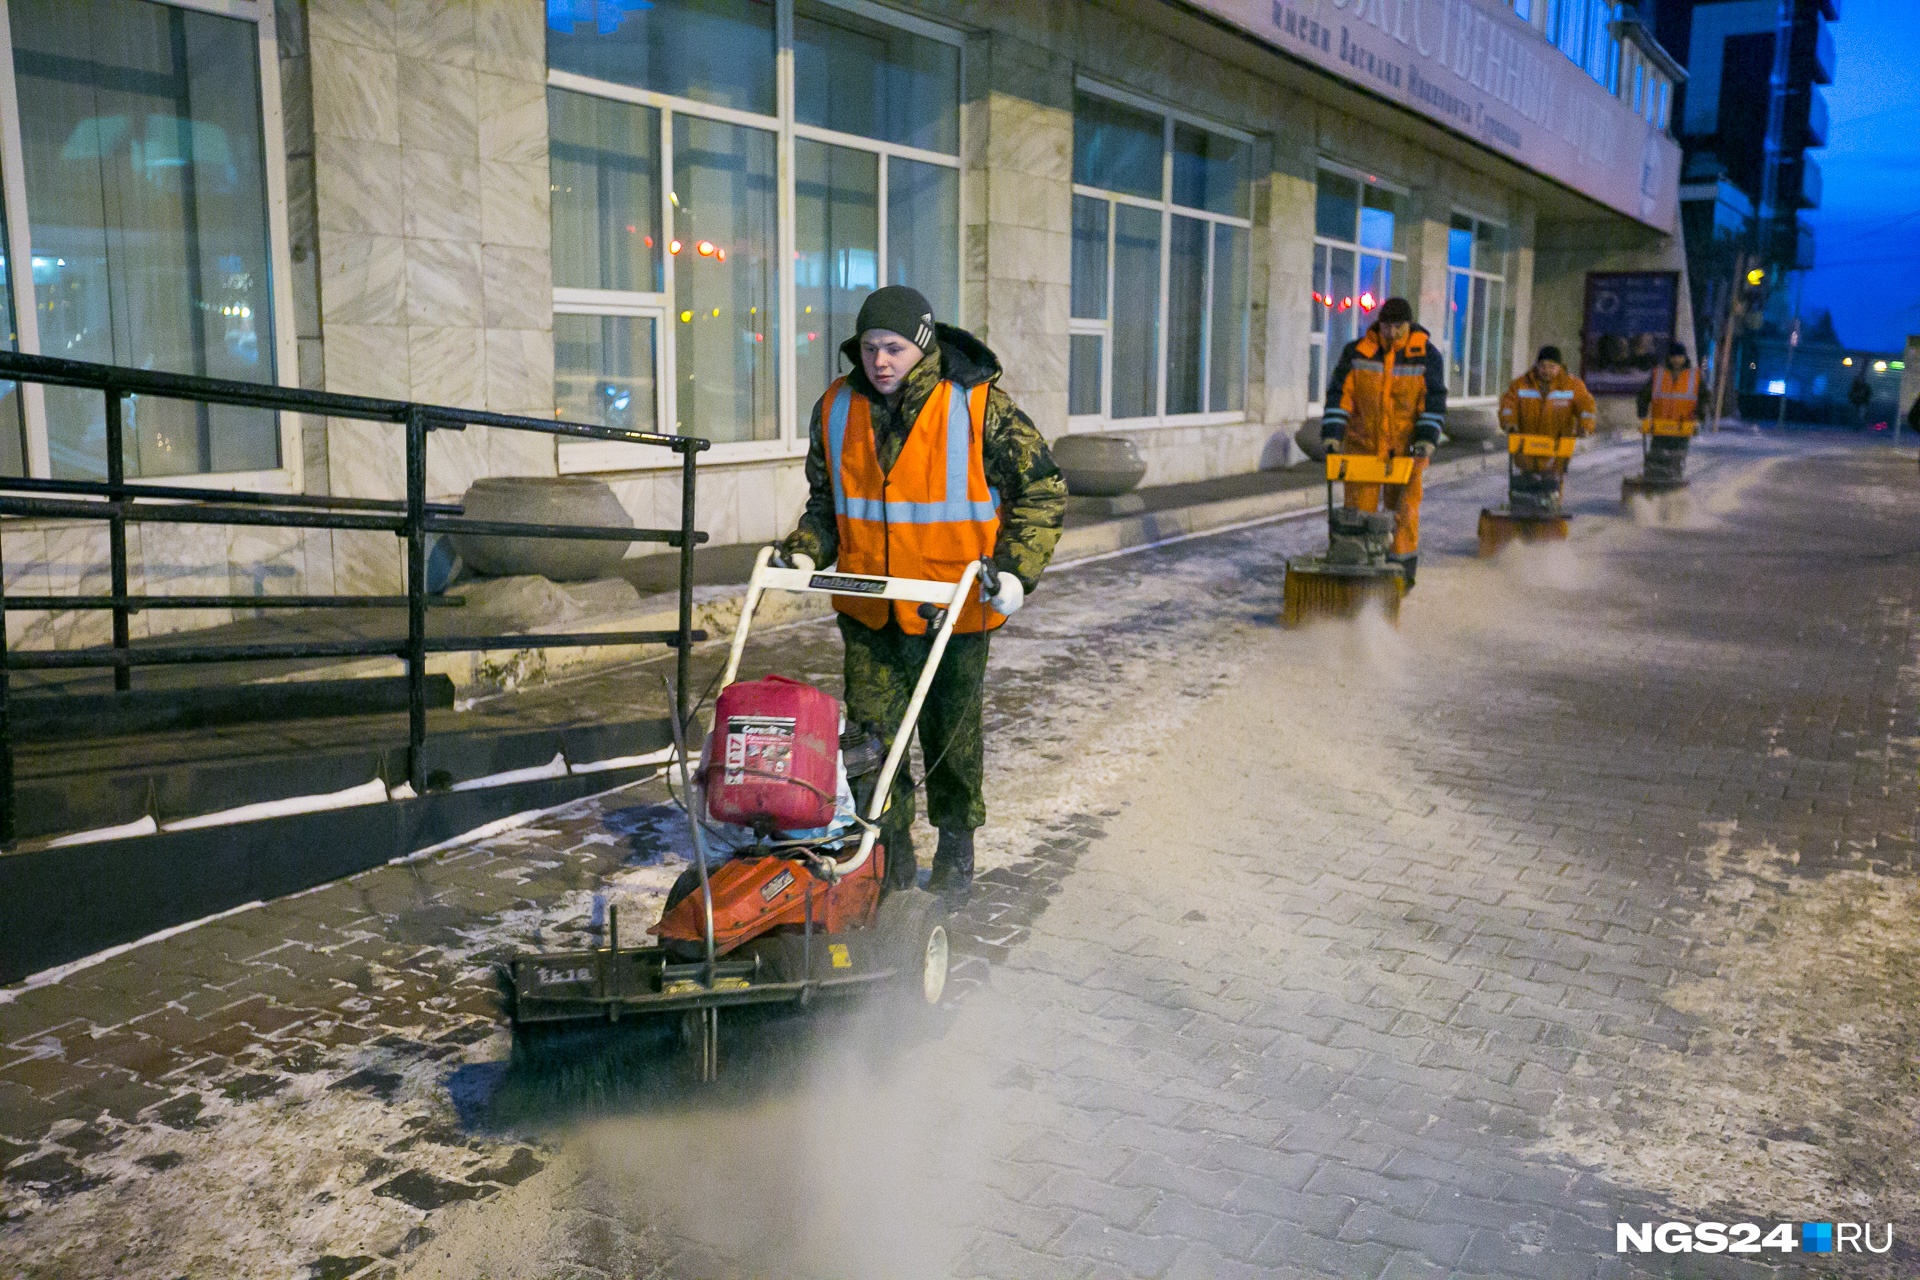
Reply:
x=1166 y=271
x=880 y=222
x=786 y=345
x=26 y=314
x=1106 y=348
x=670 y=340
x=1206 y=329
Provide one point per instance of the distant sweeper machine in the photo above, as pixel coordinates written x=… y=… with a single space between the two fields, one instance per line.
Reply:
x=798 y=908
x=1536 y=474
x=1663 y=459
x=1355 y=569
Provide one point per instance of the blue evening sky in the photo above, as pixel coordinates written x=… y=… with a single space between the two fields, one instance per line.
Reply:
x=1867 y=228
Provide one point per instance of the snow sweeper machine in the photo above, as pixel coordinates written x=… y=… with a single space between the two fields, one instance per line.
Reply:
x=799 y=908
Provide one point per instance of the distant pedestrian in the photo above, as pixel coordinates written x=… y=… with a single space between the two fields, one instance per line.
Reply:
x=1860 y=396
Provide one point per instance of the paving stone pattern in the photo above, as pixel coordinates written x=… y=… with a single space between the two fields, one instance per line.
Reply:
x=1337 y=953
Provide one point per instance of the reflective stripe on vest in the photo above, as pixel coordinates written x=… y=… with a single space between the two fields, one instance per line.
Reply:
x=927 y=516
x=959 y=450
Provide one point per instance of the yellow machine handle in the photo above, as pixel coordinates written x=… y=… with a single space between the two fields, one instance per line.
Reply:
x=1362 y=468
x=1655 y=427
x=1540 y=446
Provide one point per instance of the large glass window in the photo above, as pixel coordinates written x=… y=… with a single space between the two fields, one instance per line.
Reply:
x=1159 y=299
x=140 y=125
x=1477 y=307
x=875 y=196
x=1359 y=255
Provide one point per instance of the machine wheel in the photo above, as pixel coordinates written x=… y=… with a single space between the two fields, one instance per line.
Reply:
x=917 y=937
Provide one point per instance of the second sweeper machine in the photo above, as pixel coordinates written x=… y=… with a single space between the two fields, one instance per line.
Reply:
x=800 y=908
x=1532 y=512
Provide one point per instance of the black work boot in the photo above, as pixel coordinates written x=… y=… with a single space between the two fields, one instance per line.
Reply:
x=902 y=868
x=1408 y=564
x=953 y=864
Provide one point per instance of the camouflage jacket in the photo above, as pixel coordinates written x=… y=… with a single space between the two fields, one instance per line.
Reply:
x=1033 y=497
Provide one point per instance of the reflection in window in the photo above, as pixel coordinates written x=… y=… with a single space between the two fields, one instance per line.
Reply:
x=854 y=75
x=606 y=199
x=726 y=281
x=146 y=193
x=603 y=371
x=836 y=193
x=1360 y=230
x=719 y=52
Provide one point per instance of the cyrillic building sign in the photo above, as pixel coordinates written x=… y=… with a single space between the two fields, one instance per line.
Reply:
x=1475 y=67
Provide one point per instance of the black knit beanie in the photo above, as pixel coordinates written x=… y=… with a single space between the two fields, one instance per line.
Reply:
x=1396 y=311
x=1549 y=353
x=900 y=310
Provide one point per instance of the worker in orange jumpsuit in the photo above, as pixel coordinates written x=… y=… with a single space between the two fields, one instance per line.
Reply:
x=1388 y=398
x=1546 y=400
x=1671 y=397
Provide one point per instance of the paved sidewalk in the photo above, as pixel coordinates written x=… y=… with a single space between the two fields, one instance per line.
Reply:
x=1586 y=895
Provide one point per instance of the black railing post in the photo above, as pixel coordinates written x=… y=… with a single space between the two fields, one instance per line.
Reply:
x=416 y=552
x=683 y=671
x=117 y=536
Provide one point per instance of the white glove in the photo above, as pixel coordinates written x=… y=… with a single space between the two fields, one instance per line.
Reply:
x=1008 y=599
x=1421 y=449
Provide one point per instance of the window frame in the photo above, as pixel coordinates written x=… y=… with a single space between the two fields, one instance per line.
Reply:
x=1170 y=116
x=581 y=456
x=288 y=477
x=1498 y=379
x=1317 y=387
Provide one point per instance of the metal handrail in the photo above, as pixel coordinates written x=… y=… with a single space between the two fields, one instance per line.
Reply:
x=412 y=518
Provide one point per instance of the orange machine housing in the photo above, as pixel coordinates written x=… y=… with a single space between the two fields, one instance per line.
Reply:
x=756 y=896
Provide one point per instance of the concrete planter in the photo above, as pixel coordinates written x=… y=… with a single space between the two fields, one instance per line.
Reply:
x=1099 y=466
x=543 y=500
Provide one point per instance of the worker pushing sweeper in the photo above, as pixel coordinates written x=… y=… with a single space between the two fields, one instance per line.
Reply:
x=918 y=465
x=1387 y=398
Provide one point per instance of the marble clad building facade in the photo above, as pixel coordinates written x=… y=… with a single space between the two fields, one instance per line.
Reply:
x=1163 y=216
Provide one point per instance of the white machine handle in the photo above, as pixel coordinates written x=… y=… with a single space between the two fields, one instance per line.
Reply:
x=952 y=597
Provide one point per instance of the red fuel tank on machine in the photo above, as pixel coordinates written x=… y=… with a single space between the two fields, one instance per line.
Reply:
x=772 y=761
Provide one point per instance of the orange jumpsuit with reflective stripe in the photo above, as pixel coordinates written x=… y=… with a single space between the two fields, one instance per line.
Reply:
x=1380 y=401
x=928 y=517
x=1562 y=407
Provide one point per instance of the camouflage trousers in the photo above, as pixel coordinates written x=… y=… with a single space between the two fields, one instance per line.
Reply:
x=882 y=668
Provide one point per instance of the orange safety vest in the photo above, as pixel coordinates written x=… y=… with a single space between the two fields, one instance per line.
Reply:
x=927 y=518
x=1675 y=397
